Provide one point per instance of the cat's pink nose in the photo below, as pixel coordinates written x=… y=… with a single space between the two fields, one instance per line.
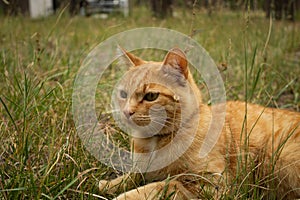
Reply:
x=128 y=113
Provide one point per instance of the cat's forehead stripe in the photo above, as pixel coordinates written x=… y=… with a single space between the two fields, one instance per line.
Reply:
x=138 y=77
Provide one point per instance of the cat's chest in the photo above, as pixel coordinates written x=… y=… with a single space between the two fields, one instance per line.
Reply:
x=144 y=145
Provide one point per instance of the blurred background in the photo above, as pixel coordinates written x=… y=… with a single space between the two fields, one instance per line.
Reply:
x=279 y=9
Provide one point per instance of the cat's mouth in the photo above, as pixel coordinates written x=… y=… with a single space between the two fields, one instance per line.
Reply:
x=139 y=120
x=147 y=126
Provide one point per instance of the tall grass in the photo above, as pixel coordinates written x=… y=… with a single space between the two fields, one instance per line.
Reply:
x=41 y=157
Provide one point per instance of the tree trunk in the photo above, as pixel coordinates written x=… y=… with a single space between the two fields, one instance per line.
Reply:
x=281 y=8
x=161 y=8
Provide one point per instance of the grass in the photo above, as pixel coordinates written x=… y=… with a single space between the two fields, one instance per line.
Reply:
x=41 y=157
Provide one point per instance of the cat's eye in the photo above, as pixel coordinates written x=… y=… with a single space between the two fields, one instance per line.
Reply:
x=151 y=96
x=123 y=94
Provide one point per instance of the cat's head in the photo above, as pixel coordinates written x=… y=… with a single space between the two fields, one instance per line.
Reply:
x=157 y=97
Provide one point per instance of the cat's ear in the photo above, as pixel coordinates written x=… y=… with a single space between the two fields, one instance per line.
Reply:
x=176 y=58
x=129 y=59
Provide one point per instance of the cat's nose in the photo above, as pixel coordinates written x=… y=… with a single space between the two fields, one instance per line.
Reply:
x=128 y=113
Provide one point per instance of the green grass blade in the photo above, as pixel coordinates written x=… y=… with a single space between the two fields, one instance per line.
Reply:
x=66 y=187
x=10 y=116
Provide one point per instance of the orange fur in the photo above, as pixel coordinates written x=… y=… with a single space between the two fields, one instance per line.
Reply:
x=270 y=137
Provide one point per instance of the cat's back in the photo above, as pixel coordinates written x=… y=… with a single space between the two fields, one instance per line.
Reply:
x=270 y=133
x=262 y=123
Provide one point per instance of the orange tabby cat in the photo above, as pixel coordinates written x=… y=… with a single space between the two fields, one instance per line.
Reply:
x=270 y=137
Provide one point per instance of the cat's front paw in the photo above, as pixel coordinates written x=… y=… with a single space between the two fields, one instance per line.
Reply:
x=103 y=184
x=130 y=196
x=117 y=185
x=108 y=187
